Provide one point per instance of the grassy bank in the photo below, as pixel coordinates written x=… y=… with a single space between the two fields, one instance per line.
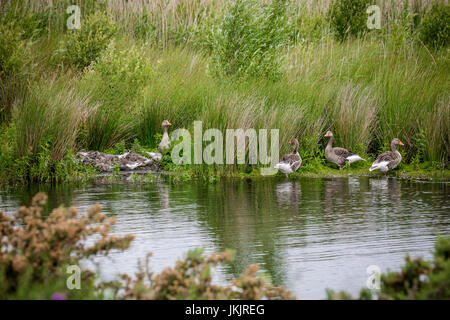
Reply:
x=109 y=85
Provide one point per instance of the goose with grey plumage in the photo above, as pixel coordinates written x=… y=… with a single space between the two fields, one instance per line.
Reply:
x=164 y=145
x=290 y=162
x=338 y=155
x=388 y=160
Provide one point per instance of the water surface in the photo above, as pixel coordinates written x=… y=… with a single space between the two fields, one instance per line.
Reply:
x=308 y=234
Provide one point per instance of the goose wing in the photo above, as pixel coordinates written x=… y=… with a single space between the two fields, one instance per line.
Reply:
x=290 y=158
x=341 y=152
x=384 y=157
x=295 y=165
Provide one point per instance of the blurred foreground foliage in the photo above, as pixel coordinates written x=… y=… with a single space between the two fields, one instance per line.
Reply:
x=35 y=252
x=418 y=279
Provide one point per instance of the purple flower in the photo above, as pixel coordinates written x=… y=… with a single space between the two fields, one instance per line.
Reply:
x=58 y=296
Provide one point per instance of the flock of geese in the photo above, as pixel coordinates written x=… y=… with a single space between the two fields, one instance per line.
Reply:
x=340 y=156
x=292 y=162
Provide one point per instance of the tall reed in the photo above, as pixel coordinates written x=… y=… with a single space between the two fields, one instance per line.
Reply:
x=52 y=113
x=367 y=90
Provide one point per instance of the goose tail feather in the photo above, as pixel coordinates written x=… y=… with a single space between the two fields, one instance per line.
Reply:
x=354 y=158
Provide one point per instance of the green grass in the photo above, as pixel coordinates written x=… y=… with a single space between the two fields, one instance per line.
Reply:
x=367 y=90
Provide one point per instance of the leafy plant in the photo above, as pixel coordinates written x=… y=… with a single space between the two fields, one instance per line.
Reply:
x=308 y=26
x=191 y=278
x=246 y=41
x=14 y=57
x=116 y=81
x=417 y=280
x=36 y=249
x=83 y=46
x=434 y=29
x=348 y=17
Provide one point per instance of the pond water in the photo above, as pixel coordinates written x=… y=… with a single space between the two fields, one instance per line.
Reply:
x=307 y=234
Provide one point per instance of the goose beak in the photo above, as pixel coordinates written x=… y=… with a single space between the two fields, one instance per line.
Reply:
x=401 y=143
x=326 y=134
x=169 y=124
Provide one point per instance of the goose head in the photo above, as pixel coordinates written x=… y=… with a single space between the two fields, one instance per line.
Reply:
x=397 y=142
x=329 y=134
x=293 y=142
x=166 y=123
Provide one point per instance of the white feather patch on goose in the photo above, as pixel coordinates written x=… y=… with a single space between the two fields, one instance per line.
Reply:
x=354 y=158
x=284 y=167
x=123 y=155
x=382 y=166
x=133 y=165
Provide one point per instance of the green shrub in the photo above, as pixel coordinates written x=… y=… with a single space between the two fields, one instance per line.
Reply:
x=400 y=29
x=143 y=26
x=247 y=40
x=417 y=280
x=435 y=27
x=420 y=279
x=116 y=81
x=123 y=73
x=348 y=17
x=45 y=126
x=7 y=149
x=32 y=24
x=192 y=279
x=11 y=51
x=85 y=45
x=35 y=251
x=308 y=26
x=14 y=59
x=50 y=112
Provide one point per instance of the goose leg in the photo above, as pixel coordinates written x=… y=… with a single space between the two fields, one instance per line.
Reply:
x=287 y=176
x=340 y=168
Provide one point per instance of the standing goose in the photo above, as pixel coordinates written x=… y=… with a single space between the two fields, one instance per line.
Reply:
x=290 y=162
x=388 y=160
x=164 y=145
x=339 y=155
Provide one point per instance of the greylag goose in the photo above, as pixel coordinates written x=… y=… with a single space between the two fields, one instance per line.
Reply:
x=164 y=145
x=388 y=160
x=338 y=155
x=290 y=162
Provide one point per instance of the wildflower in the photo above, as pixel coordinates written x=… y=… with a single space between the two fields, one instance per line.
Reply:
x=58 y=296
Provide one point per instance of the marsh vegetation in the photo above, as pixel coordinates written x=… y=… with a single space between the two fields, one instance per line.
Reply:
x=292 y=65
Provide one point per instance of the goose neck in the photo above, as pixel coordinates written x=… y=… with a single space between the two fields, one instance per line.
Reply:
x=295 y=148
x=393 y=147
x=330 y=143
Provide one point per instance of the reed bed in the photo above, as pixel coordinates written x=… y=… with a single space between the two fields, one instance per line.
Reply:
x=367 y=90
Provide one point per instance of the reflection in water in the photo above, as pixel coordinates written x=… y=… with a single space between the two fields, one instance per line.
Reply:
x=288 y=194
x=163 y=196
x=308 y=235
x=335 y=195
